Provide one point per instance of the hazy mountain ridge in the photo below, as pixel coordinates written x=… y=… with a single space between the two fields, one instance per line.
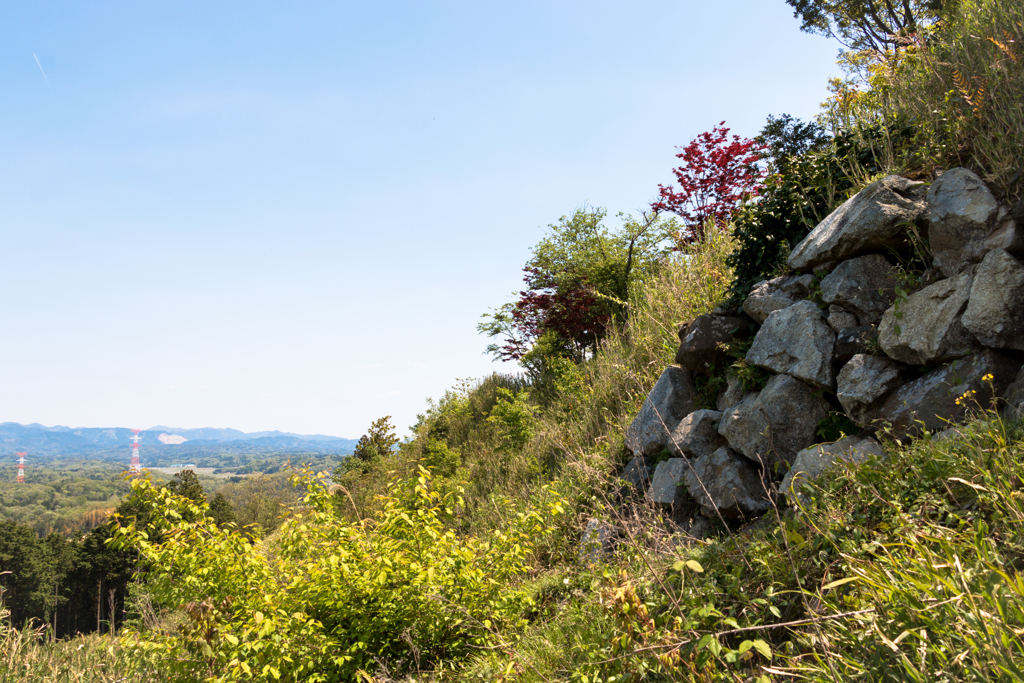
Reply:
x=113 y=443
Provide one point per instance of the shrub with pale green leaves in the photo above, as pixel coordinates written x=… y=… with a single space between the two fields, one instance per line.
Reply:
x=325 y=599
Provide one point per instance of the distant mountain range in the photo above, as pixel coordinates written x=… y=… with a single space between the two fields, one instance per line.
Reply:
x=159 y=442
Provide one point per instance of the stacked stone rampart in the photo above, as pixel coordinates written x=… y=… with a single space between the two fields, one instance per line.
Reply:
x=848 y=330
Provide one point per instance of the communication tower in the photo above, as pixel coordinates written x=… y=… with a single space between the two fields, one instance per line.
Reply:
x=135 y=467
x=21 y=467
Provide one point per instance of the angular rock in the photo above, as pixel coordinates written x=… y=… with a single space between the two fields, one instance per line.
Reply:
x=871 y=220
x=665 y=486
x=772 y=425
x=728 y=483
x=598 y=537
x=926 y=328
x=930 y=402
x=637 y=473
x=962 y=212
x=812 y=463
x=865 y=285
x=865 y=380
x=671 y=399
x=995 y=311
x=697 y=435
x=698 y=341
x=839 y=318
x=853 y=340
x=769 y=296
x=796 y=341
x=1014 y=397
x=733 y=394
x=1007 y=235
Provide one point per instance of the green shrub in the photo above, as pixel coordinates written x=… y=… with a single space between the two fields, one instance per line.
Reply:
x=326 y=599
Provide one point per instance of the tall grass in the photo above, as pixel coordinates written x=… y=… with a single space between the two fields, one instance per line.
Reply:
x=963 y=91
x=27 y=656
x=955 y=91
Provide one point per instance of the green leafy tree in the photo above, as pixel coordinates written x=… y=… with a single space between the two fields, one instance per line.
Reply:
x=378 y=442
x=878 y=25
x=221 y=511
x=578 y=283
x=186 y=483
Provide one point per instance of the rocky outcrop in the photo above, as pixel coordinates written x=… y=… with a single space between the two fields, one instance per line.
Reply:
x=962 y=213
x=865 y=286
x=774 y=424
x=769 y=296
x=864 y=381
x=699 y=341
x=926 y=328
x=872 y=220
x=725 y=483
x=995 y=310
x=665 y=485
x=797 y=341
x=811 y=464
x=879 y=342
x=697 y=435
x=671 y=399
x=946 y=395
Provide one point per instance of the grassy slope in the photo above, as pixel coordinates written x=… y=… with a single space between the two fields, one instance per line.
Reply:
x=902 y=570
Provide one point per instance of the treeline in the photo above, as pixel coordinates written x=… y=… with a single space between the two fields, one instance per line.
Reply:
x=70 y=585
x=77 y=583
x=66 y=498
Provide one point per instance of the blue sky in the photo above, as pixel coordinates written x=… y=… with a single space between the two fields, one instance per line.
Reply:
x=291 y=215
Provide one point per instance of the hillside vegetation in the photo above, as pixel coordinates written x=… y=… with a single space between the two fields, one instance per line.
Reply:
x=461 y=554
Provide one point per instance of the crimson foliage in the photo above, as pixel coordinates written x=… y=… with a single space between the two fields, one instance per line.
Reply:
x=716 y=175
x=565 y=306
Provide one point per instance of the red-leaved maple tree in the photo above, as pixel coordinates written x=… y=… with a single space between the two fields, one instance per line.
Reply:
x=716 y=175
x=565 y=306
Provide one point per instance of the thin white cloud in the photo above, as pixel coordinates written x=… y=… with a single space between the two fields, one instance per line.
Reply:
x=41 y=69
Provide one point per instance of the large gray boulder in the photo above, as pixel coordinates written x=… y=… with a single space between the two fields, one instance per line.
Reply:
x=774 y=424
x=665 y=485
x=864 y=381
x=697 y=434
x=995 y=311
x=962 y=212
x=796 y=341
x=727 y=483
x=671 y=399
x=944 y=395
x=872 y=220
x=865 y=285
x=811 y=464
x=768 y=296
x=926 y=328
x=699 y=341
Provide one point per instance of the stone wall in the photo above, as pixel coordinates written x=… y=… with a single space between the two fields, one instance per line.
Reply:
x=848 y=330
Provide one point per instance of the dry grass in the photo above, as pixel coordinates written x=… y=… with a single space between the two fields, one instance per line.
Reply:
x=26 y=656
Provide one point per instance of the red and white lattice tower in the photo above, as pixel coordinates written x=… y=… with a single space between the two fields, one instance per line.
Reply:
x=21 y=467
x=135 y=467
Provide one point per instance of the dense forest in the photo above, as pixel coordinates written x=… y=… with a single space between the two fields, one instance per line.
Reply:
x=500 y=543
